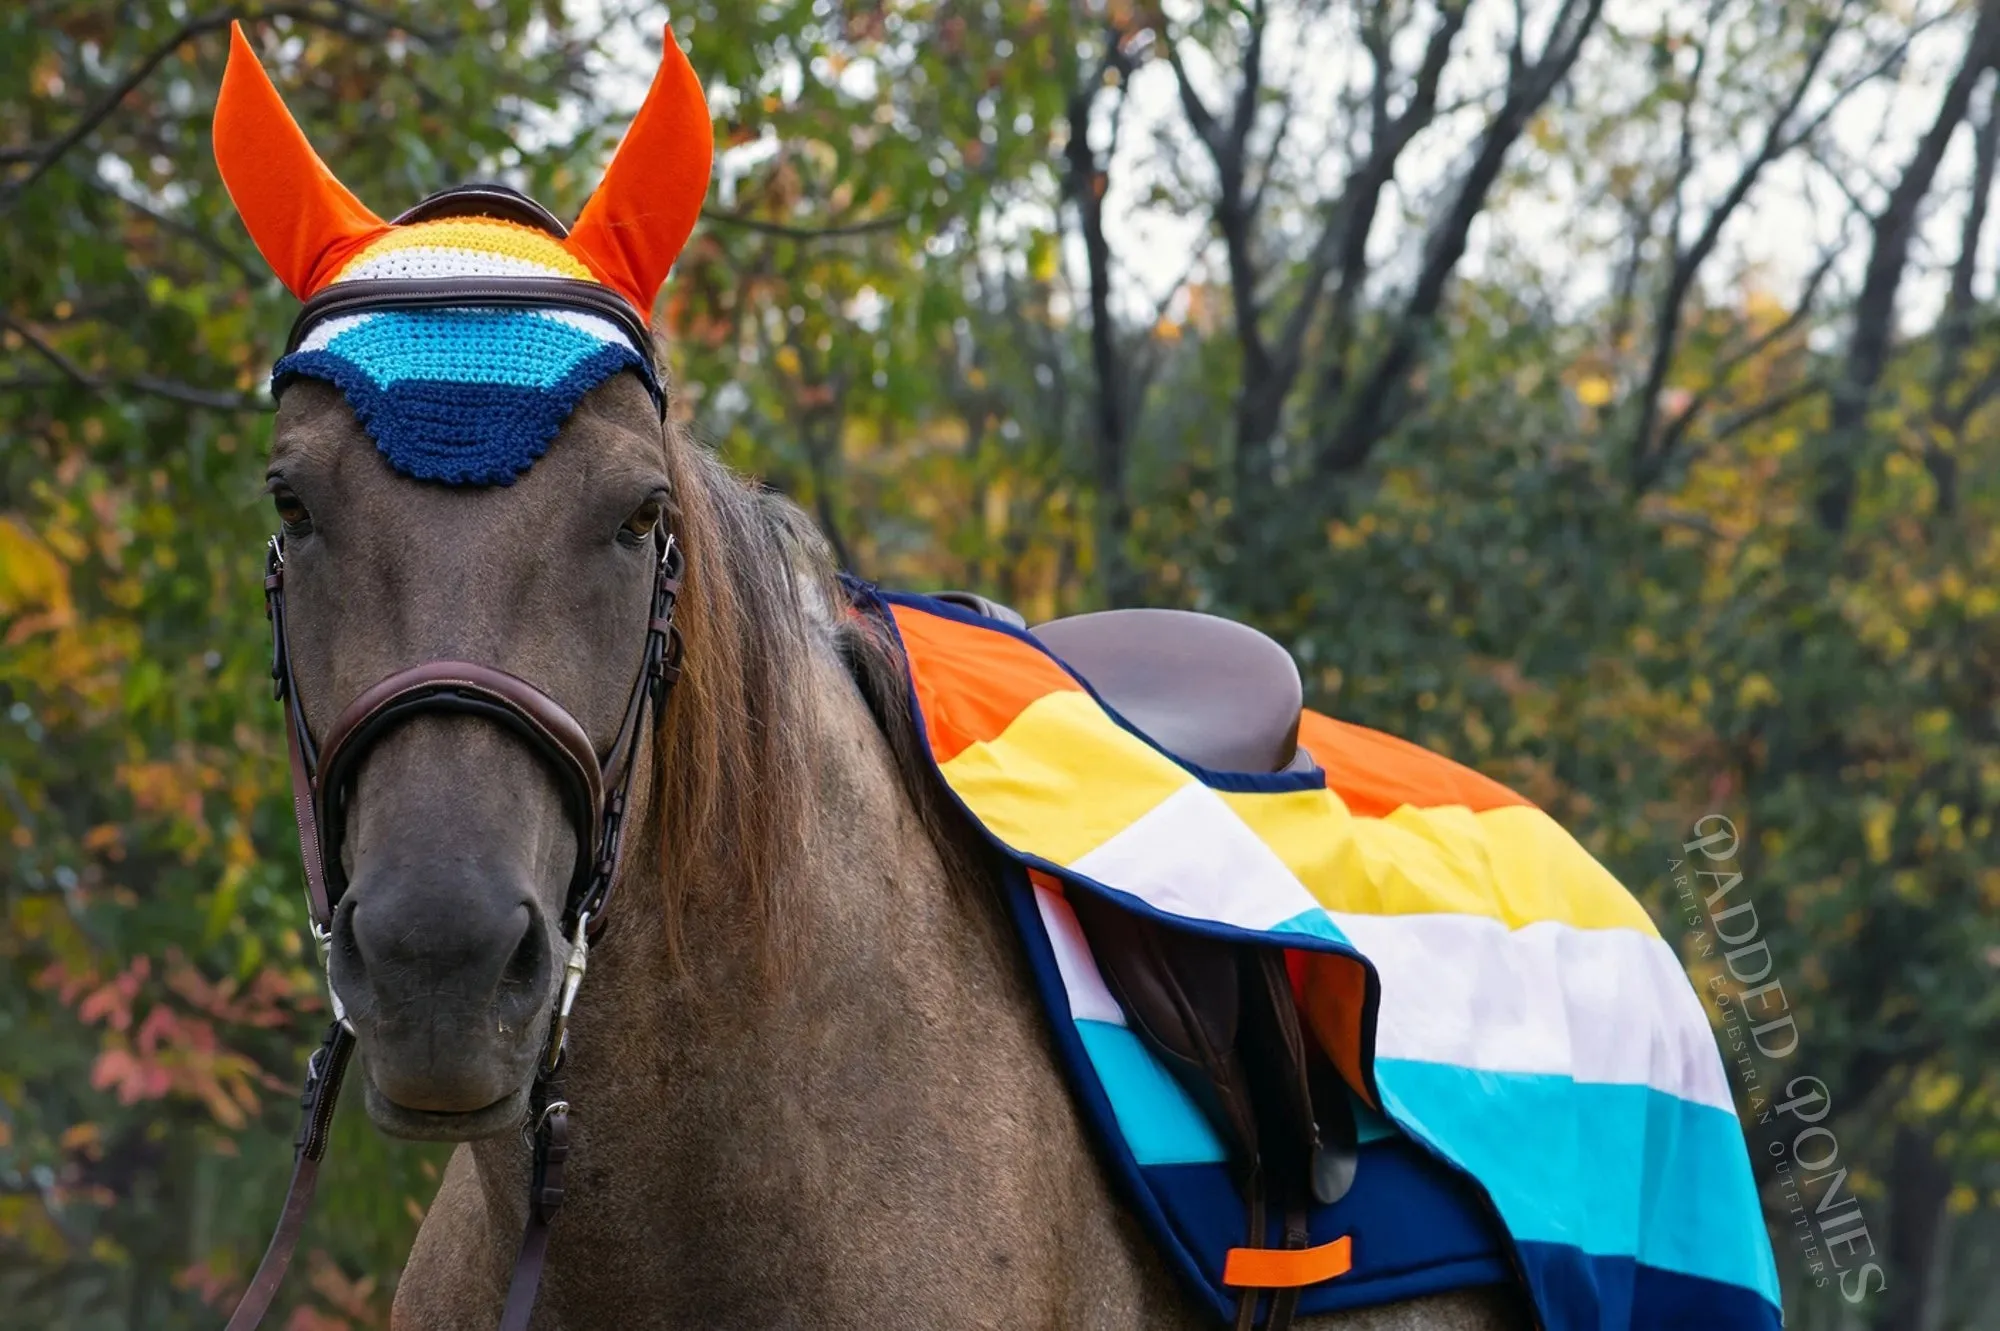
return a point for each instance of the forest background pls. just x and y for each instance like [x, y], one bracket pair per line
[1602, 392]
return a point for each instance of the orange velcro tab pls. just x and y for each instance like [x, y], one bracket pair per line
[1288, 1268]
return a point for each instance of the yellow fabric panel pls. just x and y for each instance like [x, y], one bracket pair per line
[1512, 864]
[487, 237]
[1546, 874]
[1061, 779]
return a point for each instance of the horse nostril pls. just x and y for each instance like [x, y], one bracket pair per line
[524, 968]
[343, 930]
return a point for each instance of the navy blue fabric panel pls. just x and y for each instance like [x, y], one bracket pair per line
[1578, 1292]
[1417, 1228]
[1104, 1132]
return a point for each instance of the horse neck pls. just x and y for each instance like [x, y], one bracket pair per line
[715, 1095]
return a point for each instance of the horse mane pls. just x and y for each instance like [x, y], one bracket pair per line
[736, 754]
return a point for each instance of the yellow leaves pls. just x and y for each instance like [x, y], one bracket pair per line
[1878, 821]
[1594, 390]
[787, 361]
[1755, 690]
[1962, 1200]
[1043, 259]
[34, 583]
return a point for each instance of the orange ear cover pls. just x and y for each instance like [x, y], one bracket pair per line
[635, 224]
[305, 222]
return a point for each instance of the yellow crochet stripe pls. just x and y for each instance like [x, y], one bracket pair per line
[480, 235]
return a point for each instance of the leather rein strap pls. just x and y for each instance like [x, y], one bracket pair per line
[594, 794]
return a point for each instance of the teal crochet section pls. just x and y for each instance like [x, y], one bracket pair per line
[463, 396]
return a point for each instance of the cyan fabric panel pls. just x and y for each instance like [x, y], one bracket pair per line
[1556, 1150]
[1160, 1120]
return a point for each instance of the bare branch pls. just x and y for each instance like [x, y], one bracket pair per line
[46, 156]
[1529, 85]
[143, 383]
[829, 231]
[1875, 308]
[1687, 263]
[1085, 181]
[1955, 327]
[1657, 459]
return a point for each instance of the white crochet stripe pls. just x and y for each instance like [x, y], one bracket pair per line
[602, 329]
[427, 261]
[326, 330]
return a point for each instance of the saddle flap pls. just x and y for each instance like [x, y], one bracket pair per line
[1182, 993]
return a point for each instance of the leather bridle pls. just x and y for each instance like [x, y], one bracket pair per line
[595, 790]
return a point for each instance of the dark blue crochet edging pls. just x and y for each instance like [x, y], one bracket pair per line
[458, 433]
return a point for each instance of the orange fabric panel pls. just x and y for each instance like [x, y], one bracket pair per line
[972, 682]
[1288, 1268]
[1333, 995]
[306, 224]
[634, 226]
[1375, 774]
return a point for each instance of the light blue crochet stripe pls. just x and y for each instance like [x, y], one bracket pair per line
[512, 348]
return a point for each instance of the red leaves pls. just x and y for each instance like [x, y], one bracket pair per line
[177, 1049]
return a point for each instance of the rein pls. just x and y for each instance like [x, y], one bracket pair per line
[595, 792]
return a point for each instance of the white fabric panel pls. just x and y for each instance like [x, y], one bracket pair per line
[1597, 1005]
[1089, 998]
[1190, 855]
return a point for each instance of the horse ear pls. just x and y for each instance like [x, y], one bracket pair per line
[633, 228]
[304, 221]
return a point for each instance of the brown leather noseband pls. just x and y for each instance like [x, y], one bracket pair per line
[594, 790]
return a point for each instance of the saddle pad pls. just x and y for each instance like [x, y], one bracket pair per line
[1472, 971]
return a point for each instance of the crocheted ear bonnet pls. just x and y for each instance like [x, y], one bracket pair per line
[464, 332]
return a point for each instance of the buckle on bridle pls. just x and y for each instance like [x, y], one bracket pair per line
[573, 969]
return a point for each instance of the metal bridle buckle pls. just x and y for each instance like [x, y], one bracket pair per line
[323, 940]
[579, 960]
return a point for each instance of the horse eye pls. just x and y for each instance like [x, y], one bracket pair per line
[291, 511]
[643, 520]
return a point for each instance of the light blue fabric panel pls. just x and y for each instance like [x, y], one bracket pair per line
[1623, 1171]
[1315, 923]
[1161, 1123]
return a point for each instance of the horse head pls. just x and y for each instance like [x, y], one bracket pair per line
[475, 494]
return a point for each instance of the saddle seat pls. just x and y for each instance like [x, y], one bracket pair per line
[1221, 1015]
[1218, 693]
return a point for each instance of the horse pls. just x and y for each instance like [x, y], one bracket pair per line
[809, 1083]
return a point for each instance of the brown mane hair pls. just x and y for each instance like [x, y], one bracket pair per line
[735, 755]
